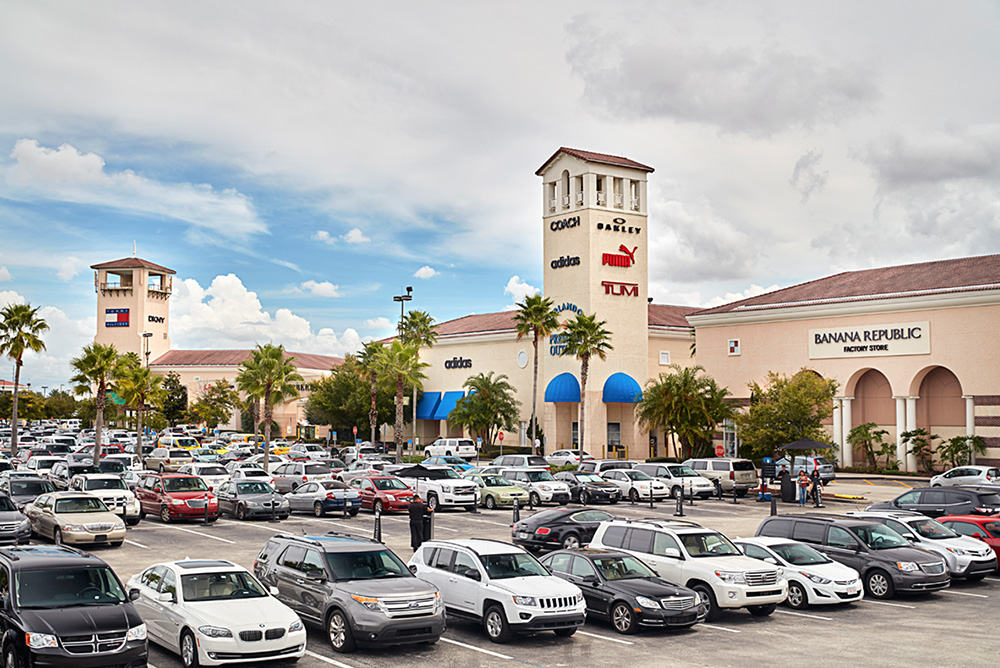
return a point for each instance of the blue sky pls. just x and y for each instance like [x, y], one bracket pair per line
[298, 164]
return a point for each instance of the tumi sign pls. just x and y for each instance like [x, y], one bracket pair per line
[910, 338]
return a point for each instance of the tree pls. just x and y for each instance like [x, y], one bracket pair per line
[400, 361]
[248, 382]
[959, 449]
[140, 389]
[369, 361]
[176, 402]
[585, 338]
[215, 405]
[96, 368]
[343, 399]
[687, 405]
[535, 316]
[871, 440]
[784, 410]
[489, 407]
[271, 376]
[60, 404]
[920, 444]
[417, 328]
[20, 331]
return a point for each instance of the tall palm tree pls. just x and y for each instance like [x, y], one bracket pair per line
[417, 327]
[489, 407]
[274, 376]
[586, 338]
[401, 360]
[140, 389]
[247, 382]
[96, 368]
[21, 330]
[369, 359]
[535, 316]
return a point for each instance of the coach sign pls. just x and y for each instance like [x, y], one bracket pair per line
[910, 338]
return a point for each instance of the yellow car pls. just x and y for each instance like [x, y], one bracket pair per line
[74, 517]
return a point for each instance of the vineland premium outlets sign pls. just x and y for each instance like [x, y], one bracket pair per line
[910, 338]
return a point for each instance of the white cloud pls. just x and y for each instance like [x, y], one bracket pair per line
[425, 272]
[380, 322]
[519, 290]
[324, 289]
[8, 297]
[324, 236]
[5, 274]
[355, 236]
[69, 267]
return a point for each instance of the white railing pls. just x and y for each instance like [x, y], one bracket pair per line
[552, 204]
[565, 201]
[579, 198]
[619, 200]
[602, 198]
[635, 203]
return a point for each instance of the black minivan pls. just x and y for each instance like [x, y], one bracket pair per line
[885, 560]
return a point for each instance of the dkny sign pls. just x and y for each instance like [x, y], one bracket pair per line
[458, 363]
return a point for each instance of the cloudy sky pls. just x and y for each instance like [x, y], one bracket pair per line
[298, 164]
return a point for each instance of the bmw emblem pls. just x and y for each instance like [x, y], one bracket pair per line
[261, 625]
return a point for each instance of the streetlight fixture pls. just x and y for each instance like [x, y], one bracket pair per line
[402, 299]
[145, 338]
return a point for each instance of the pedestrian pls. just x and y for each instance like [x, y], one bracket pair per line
[418, 511]
[803, 482]
[817, 487]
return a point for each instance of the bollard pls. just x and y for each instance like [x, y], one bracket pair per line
[690, 493]
[206, 507]
[345, 504]
[818, 496]
[274, 512]
[736, 501]
[718, 488]
[429, 526]
[517, 512]
[378, 526]
[680, 506]
[651, 507]
[531, 504]
[774, 505]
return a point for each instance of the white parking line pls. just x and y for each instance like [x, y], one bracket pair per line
[964, 593]
[259, 526]
[478, 649]
[198, 533]
[719, 628]
[895, 605]
[132, 542]
[594, 635]
[323, 658]
[993, 579]
[802, 614]
[476, 519]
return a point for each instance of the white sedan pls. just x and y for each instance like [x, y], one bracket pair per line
[636, 485]
[252, 473]
[566, 457]
[213, 612]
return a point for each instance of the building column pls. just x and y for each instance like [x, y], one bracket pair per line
[911, 425]
[970, 418]
[900, 428]
[848, 452]
[838, 432]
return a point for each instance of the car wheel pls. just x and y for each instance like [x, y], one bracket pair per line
[378, 507]
[623, 618]
[162, 470]
[878, 584]
[797, 597]
[338, 630]
[189, 650]
[633, 495]
[565, 633]
[353, 512]
[496, 626]
[165, 515]
[676, 492]
[10, 658]
[132, 521]
[584, 497]
[427, 454]
[318, 509]
[762, 610]
[241, 512]
[741, 493]
[491, 503]
[713, 607]
[447, 454]
[571, 541]
[142, 514]
[432, 502]
[535, 499]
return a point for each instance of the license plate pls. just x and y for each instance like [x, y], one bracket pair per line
[852, 590]
[100, 537]
[522, 535]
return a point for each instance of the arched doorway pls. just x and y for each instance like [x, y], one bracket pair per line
[940, 406]
[873, 402]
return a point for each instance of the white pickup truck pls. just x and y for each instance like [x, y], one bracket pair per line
[438, 486]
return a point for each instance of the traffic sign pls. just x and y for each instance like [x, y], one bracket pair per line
[766, 460]
[501, 437]
[719, 451]
[355, 431]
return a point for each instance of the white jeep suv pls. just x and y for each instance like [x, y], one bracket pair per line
[501, 586]
[702, 559]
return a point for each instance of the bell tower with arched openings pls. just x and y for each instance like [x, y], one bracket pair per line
[133, 306]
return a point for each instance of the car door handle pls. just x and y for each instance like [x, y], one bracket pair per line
[452, 579]
[300, 581]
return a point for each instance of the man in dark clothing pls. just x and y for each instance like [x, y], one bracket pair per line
[817, 487]
[418, 510]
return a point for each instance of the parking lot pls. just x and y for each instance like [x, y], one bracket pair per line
[957, 626]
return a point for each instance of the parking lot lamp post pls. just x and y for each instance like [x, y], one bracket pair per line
[145, 339]
[402, 299]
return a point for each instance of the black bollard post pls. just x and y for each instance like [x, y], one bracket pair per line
[274, 512]
[818, 496]
[378, 526]
[774, 505]
[517, 513]
[345, 504]
[718, 488]
[680, 505]
[531, 503]
[651, 507]
[736, 501]
[206, 507]
[690, 493]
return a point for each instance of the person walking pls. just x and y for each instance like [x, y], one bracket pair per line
[418, 511]
[817, 487]
[803, 482]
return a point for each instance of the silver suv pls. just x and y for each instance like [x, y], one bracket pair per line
[733, 473]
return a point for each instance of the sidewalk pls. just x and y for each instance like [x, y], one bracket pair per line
[913, 481]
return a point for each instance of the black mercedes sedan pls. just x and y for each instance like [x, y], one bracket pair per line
[558, 528]
[587, 487]
[622, 589]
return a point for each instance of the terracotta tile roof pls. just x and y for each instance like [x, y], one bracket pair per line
[664, 315]
[660, 315]
[234, 357]
[943, 276]
[601, 158]
[132, 263]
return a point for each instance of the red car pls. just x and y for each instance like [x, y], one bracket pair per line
[175, 496]
[384, 492]
[984, 527]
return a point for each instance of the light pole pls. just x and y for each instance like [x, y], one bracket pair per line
[402, 299]
[145, 340]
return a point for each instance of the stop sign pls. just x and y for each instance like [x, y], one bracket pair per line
[719, 451]
[355, 431]
[501, 437]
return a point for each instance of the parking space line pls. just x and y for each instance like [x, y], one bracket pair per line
[205, 535]
[258, 526]
[594, 635]
[993, 579]
[719, 628]
[478, 649]
[323, 658]
[895, 605]
[963, 593]
[476, 519]
[132, 542]
[802, 614]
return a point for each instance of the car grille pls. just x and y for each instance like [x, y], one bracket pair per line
[408, 607]
[844, 583]
[677, 602]
[982, 553]
[255, 635]
[94, 644]
[933, 569]
[557, 602]
[760, 578]
[196, 503]
[8, 526]
[98, 527]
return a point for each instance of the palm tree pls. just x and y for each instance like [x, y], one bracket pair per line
[272, 376]
[20, 331]
[369, 360]
[247, 382]
[96, 368]
[585, 338]
[140, 389]
[489, 407]
[417, 327]
[400, 360]
[535, 316]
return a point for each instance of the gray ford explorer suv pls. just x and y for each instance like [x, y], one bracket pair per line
[355, 588]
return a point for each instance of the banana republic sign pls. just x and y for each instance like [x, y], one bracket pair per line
[911, 338]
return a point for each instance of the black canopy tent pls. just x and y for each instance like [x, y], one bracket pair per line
[421, 471]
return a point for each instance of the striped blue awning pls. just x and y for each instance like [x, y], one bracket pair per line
[447, 405]
[428, 402]
[621, 388]
[563, 388]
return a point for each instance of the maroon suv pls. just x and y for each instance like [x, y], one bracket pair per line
[382, 492]
[175, 496]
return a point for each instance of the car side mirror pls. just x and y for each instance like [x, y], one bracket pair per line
[591, 579]
[978, 535]
[771, 560]
[672, 552]
[316, 576]
[413, 568]
[473, 574]
[166, 597]
[133, 594]
[856, 547]
[910, 537]
[273, 591]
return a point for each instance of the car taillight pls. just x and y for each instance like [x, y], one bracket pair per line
[329, 495]
[541, 531]
[305, 479]
[732, 475]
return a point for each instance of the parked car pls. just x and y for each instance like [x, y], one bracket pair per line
[355, 589]
[113, 491]
[168, 459]
[500, 586]
[176, 496]
[353, 453]
[813, 578]
[521, 461]
[679, 479]
[886, 561]
[252, 473]
[447, 447]
[113, 466]
[213, 474]
[290, 475]
[60, 591]
[41, 465]
[967, 475]
[308, 450]
[62, 472]
[23, 491]
[324, 496]
[558, 528]
[734, 474]
[245, 500]
[273, 460]
[566, 458]
[14, 526]
[622, 589]
[495, 490]
[203, 454]
[361, 467]
[76, 518]
[827, 471]
[440, 486]
[540, 485]
[636, 485]
[382, 492]
[199, 610]
[982, 527]
[940, 501]
[455, 462]
[589, 488]
[132, 462]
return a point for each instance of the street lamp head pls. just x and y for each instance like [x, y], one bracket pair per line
[146, 335]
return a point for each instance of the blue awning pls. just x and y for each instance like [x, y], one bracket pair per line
[564, 388]
[447, 405]
[428, 402]
[621, 388]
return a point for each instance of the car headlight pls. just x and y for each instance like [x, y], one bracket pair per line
[390, 497]
[815, 578]
[957, 550]
[295, 626]
[647, 602]
[367, 601]
[907, 566]
[136, 633]
[215, 632]
[25, 524]
[525, 600]
[118, 526]
[73, 527]
[41, 640]
[446, 489]
[176, 502]
[545, 488]
[732, 577]
[579, 598]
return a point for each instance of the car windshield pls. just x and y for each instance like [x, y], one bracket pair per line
[366, 565]
[931, 529]
[80, 504]
[186, 442]
[67, 588]
[337, 464]
[333, 484]
[254, 473]
[623, 568]
[453, 460]
[187, 484]
[495, 481]
[179, 454]
[589, 477]
[105, 483]
[212, 470]
[389, 483]
[636, 475]
[111, 466]
[512, 565]
[450, 473]
[799, 555]
[87, 468]
[680, 470]
[708, 545]
[32, 487]
[218, 586]
[6, 505]
[879, 537]
[993, 528]
[254, 488]
[539, 476]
